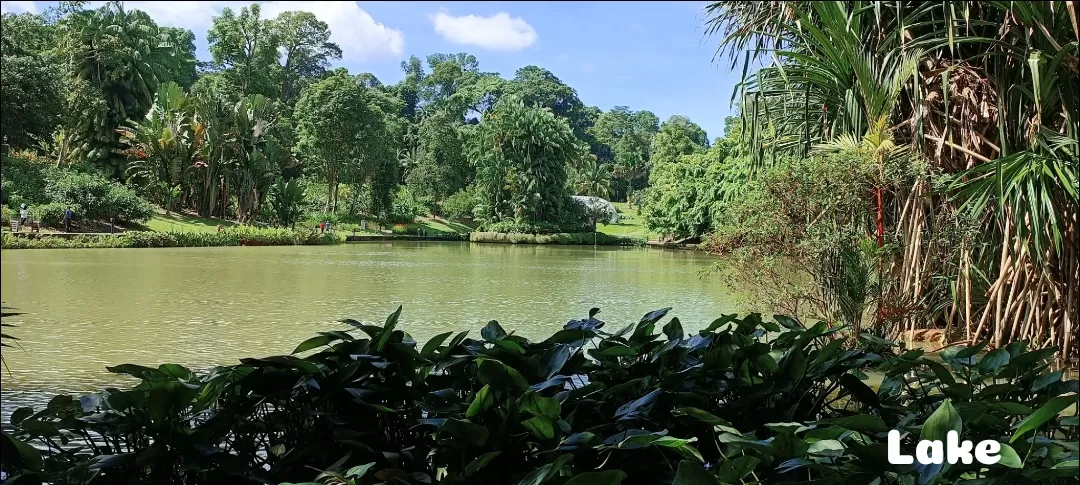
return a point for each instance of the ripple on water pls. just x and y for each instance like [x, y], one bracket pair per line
[88, 309]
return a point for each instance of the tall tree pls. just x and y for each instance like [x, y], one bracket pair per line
[627, 137]
[117, 59]
[678, 136]
[31, 101]
[409, 88]
[537, 86]
[342, 131]
[522, 154]
[441, 167]
[306, 50]
[245, 48]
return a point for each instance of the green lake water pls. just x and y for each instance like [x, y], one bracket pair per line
[89, 308]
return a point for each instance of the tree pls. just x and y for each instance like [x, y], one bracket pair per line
[160, 146]
[306, 51]
[521, 155]
[536, 86]
[31, 102]
[409, 88]
[997, 120]
[245, 48]
[628, 137]
[441, 167]
[593, 179]
[343, 132]
[117, 59]
[678, 136]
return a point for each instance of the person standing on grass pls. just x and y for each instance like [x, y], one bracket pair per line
[24, 216]
[68, 215]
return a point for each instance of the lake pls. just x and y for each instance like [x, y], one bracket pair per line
[89, 308]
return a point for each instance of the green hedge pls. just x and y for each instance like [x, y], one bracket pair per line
[588, 238]
[232, 236]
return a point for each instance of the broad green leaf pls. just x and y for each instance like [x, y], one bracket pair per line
[359, 470]
[943, 420]
[703, 416]
[609, 477]
[732, 471]
[492, 331]
[993, 361]
[480, 462]
[1044, 414]
[432, 345]
[673, 330]
[473, 434]
[552, 361]
[1009, 457]
[313, 342]
[540, 426]
[539, 405]
[388, 329]
[690, 473]
[480, 403]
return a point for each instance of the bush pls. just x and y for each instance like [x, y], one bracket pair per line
[52, 214]
[231, 236]
[99, 198]
[744, 400]
[405, 208]
[534, 228]
[459, 206]
[23, 176]
[588, 238]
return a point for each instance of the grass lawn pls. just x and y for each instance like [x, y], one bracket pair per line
[629, 223]
[443, 226]
[180, 222]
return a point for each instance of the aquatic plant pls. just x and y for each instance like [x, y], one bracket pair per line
[745, 400]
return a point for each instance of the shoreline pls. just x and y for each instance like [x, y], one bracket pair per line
[248, 236]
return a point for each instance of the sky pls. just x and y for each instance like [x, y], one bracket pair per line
[645, 55]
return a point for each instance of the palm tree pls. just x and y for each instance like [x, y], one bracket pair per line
[594, 179]
[118, 58]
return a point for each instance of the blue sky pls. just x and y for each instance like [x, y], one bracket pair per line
[645, 55]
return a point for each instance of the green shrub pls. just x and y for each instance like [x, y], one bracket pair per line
[746, 400]
[459, 206]
[231, 236]
[99, 198]
[405, 208]
[51, 214]
[23, 174]
[588, 238]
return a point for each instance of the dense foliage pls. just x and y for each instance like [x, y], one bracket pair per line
[522, 155]
[744, 400]
[959, 123]
[230, 236]
[213, 137]
[48, 191]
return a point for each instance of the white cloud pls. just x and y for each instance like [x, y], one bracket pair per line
[497, 32]
[18, 7]
[358, 34]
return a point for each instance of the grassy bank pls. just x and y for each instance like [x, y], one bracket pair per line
[232, 236]
[180, 222]
[587, 238]
[629, 225]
